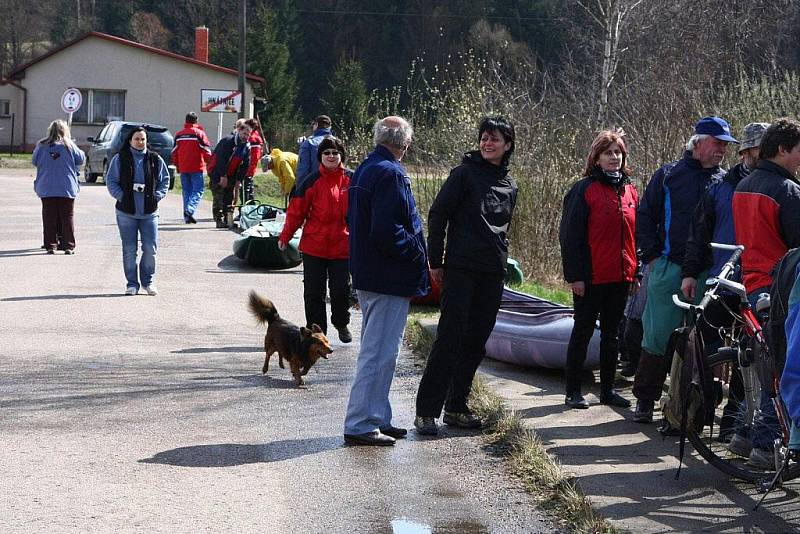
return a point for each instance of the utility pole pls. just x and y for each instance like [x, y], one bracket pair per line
[242, 55]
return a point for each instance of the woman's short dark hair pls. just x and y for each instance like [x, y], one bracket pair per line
[501, 126]
[131, 133]
[331, 142]
[784, 132]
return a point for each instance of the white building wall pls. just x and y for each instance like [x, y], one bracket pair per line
[159, 89]
[15, 96]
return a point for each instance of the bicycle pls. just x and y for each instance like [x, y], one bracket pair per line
[741, 369]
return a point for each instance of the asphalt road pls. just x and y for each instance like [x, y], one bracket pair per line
[150, 413]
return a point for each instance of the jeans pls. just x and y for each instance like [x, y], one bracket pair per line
[192, 185]
[316, 273]
[470, 301]
[130, 229]
[608, 302]
[382, 325]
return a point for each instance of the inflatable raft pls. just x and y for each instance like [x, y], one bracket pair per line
[258, 246]
[534, 332]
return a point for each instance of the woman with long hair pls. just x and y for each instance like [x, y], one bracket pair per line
[319, 205]
[58, 161]
[598, 251]
[138, 179]
[473, 210]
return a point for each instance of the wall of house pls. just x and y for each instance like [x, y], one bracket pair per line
[159, 89]
[15, 96]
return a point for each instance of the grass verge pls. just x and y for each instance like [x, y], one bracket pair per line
[544, 478]
[16, 161]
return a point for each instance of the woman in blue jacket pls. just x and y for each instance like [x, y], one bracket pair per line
[138, 179]
[57, 162]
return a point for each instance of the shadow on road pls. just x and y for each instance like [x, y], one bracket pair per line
[207, 350]
[232, 454]
[64, 297]
[22, 252]
[232, 264]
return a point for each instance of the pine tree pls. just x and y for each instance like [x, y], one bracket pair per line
[348, 98]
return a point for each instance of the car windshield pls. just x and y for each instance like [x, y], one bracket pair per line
[156, 136]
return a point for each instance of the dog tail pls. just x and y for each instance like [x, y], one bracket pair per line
[262, 308]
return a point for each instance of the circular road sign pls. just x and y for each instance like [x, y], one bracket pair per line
[71, 100]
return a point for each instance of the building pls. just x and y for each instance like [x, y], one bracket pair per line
[118, 79]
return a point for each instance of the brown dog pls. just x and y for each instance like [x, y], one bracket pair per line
[300, 346]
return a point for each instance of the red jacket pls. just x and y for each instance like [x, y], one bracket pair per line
[192, 149]
[320, 206]
[597, 233]
[255, 152]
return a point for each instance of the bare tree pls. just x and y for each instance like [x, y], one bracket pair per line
[147, 29]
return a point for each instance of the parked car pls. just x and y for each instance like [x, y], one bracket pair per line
[108, 142]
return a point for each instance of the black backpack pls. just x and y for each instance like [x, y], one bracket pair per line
[782, 283]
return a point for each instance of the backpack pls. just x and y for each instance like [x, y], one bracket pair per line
[689, 401]
[782, 283]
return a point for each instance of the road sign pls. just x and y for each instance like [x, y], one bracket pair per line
[220, 101]
[71, 100]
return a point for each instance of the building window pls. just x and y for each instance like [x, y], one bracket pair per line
[5, 108]
[100, 106]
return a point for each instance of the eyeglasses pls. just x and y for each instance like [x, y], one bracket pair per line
[330, 153]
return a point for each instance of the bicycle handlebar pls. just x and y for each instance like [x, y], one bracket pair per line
[727, 269]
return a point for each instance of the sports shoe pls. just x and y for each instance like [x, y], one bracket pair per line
[69, 251]
[344, 334]
[761, 459]
[151, 290]
[644, 411]
[131, 290]
[426, 426]
[740, 446]
[461, 420]
[576, 401]
[612, 398]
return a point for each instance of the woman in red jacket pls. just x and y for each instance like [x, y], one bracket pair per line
[598, 252]
[319, 204]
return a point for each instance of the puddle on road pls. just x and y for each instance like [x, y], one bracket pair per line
[404, 526]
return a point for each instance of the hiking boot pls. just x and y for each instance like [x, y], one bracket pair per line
[761, 459]
[344, 334]
[612, 398]
[644, 411]
[740, 446]
[576, 401]
[461, 420]
[426, 426]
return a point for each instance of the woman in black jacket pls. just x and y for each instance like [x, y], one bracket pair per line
[473, 208]
[598, 251]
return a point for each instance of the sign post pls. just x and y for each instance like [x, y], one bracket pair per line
[71, 102]
[220, 101]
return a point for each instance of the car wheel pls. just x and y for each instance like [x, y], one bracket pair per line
[88, 175]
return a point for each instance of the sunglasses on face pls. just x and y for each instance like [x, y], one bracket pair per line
[330, 153]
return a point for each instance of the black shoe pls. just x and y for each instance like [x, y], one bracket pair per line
[644, 411]
[628, 370]
[51, 251]
[393, 431]
[426, 426]
[613, 398]
[221, 223]
[344, 334]
[188, 218]
[461, 420]
[370, 438]
[576, 401]
[667, 429]
[69, 251]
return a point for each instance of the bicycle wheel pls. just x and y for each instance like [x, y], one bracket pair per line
[738, 391]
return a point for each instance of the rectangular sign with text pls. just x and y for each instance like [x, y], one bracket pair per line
[220, 101]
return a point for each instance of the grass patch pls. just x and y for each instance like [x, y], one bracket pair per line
[16, 161]
[266, 189]
[558, 295]
[526, 457]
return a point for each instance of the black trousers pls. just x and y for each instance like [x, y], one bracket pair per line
[317, 272]
[608, 302]
[58, 223]
[469, 305]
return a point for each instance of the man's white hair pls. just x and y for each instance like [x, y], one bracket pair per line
[694, 140]
[394, 131]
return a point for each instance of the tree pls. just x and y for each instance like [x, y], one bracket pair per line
[348, 98]
[147, 29]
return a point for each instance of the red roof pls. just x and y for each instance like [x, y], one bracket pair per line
[19, 70]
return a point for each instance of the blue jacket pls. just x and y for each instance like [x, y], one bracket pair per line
[665, 211]
[387, 244]
[790, 380]
[713, 223]
[57, 170]
[307, 154]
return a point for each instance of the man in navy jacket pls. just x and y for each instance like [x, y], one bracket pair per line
[389, 266]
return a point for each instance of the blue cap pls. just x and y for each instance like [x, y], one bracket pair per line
[715, 127]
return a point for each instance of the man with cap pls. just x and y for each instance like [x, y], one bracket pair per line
[766, 215]
[662, 228]
[307, 154]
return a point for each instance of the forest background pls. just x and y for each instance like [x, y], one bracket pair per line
[560, 70]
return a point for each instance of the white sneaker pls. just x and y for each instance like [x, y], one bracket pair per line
[131, 290]
[152, 290]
